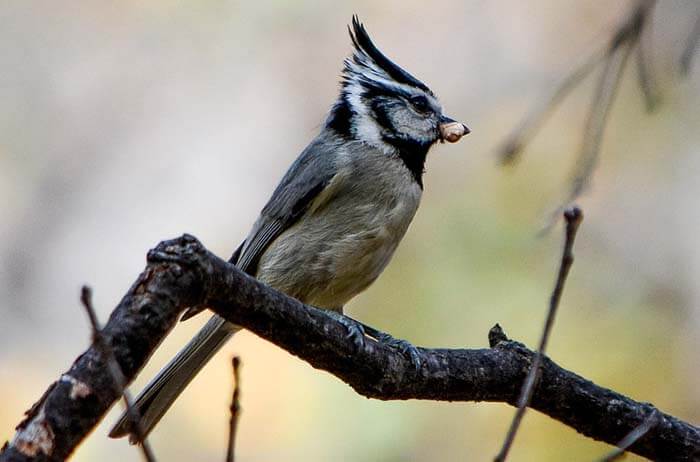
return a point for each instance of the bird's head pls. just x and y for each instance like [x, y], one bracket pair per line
[383, 105]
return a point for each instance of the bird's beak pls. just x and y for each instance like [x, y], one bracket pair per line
[451, 130]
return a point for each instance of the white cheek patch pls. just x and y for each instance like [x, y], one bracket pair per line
[364, 128]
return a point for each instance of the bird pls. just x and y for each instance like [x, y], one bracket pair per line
[337, 216]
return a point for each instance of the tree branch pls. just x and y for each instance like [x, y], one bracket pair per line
[182, 273]
[116, 373]
[690, 47]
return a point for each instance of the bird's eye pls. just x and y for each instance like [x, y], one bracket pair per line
[420, 103]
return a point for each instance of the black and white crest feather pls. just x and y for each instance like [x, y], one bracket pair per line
[374, 63]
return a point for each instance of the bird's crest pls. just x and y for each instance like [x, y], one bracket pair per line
[370, 66]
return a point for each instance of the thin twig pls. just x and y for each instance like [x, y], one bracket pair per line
[573, 217]
[235, 411]
[597, 119]
[628, 32]
[595, 127]
[646, 76]
[116, 373]
[528, 128]
[690, 47]
[633, 436]
[620, 49]
[615, 55]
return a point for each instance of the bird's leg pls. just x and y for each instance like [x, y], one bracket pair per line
[356, 330]
[403, 346]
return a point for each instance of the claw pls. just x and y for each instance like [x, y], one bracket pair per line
[403, 346]
[356, 331]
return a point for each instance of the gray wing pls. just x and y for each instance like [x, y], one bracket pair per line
[307, 177]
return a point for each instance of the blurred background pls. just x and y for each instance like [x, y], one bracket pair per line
[125, 123]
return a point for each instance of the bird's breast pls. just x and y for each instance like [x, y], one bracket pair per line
[343, 243]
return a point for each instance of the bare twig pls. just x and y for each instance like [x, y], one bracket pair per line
[618, 51]
[510, 151]
[620, 48]
[646, 76]
[597, 118]
[633, 436]
[624, 36]
[690, 47]
[573, 218]
[235, 411]
[614, 55]
[115, 371]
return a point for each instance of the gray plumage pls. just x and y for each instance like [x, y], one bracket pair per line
[350, 229]
[338, 214]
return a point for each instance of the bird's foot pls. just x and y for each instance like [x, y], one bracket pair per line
[404, 346]
[356, 330]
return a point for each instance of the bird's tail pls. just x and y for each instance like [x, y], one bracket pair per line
[154, 401]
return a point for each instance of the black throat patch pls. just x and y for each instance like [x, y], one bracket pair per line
[412, 154]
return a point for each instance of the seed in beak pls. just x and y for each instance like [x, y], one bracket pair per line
[453, 131]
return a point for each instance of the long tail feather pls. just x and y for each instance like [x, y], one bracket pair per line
[157, 397]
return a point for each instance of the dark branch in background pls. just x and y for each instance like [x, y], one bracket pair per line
[573, 219]
[235, 411]
[116, 373]
[645, 74]
[181, 273]
[597, 118]
[691, 47]
[512, 148]
[615, 57]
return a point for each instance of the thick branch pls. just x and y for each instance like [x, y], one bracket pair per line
[182, 273]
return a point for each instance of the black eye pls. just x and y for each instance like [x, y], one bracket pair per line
[420, 103]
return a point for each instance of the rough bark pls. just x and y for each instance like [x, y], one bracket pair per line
[181, 273]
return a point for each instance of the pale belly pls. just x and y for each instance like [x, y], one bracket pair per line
[336, 252]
